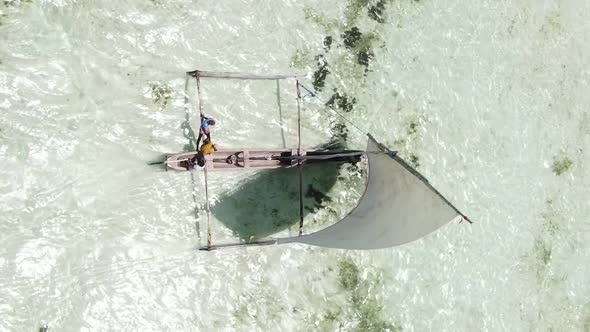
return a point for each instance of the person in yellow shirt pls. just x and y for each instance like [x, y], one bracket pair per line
[208, 147]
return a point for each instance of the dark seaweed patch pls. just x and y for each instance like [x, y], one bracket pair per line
[414, 161]
[364, 58]
[369, 314]
[354, 40]
[339, 136]
[341, 101]
[301, 59]
[351, 37]
[561, 165]
[367, 311]
[320, 75]
[412, 128]
[161, 94]
[327, 43]
[348, 274]
[331, 316]
[376, 11]
[543, 251]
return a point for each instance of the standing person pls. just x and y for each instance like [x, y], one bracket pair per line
[204, 129]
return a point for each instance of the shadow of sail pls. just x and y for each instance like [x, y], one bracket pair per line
[268, 202]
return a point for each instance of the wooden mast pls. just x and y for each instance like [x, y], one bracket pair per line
[299, 164]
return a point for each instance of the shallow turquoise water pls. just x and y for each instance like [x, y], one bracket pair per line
[486, 98]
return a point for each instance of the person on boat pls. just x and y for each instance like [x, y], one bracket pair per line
[204, 129]
[208, 147]
[197, 161]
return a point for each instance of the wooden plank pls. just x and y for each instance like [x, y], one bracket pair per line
[242, 76]
[208, 211]
[246, 154]
[299, 162]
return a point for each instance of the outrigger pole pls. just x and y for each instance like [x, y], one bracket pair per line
[240, 76]
[197, 76]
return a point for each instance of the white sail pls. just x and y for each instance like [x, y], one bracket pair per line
[398, 206]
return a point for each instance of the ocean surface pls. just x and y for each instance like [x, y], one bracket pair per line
[488, 99]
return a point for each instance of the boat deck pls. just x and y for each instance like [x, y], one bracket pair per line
[236, 159]
[227, 160]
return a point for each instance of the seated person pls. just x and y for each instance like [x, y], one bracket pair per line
[208, 147]
[197, 161]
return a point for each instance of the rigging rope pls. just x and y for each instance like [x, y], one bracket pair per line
[314, 94]
[390, 153]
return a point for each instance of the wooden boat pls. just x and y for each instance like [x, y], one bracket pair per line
[232, 160]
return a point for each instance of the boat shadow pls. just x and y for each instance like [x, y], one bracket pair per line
[268, 202]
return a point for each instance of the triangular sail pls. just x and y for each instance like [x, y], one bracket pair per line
[398, 206]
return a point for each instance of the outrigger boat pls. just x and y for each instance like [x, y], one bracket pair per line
[398, 206]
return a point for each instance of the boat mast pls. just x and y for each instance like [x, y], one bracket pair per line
[299, 166]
